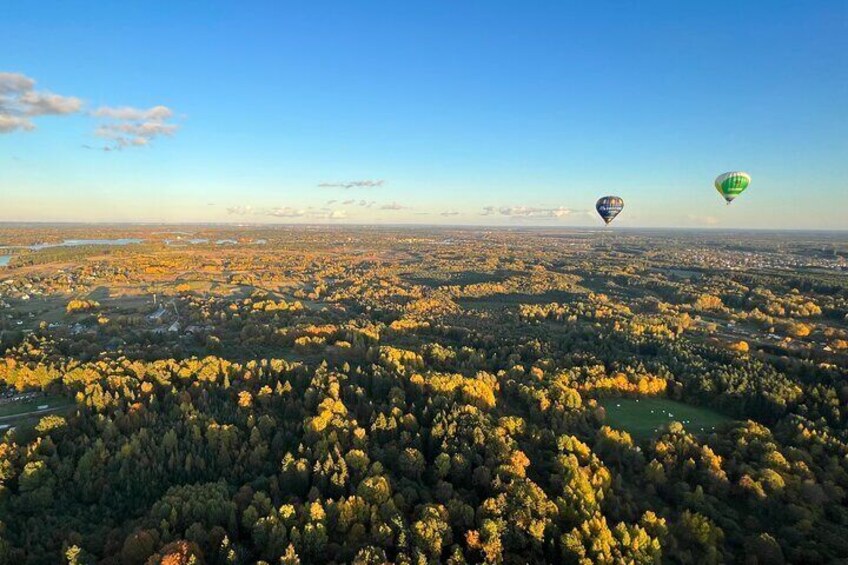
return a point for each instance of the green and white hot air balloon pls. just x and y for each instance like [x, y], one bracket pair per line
[730, 185]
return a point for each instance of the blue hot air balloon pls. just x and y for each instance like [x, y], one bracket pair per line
[609, 207]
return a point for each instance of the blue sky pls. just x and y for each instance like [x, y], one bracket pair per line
[509, 113]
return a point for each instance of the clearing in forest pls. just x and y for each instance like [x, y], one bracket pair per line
[645, 417]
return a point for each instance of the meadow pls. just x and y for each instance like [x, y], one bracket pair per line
[644, 418]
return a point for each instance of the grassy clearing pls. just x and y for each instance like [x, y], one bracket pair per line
[9, 411]
[502, 301]
[646, 417]
[437, 279]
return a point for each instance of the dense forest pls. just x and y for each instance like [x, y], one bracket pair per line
[413, 396]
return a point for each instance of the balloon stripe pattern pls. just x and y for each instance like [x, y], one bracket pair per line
[730, 185]
[609, 207]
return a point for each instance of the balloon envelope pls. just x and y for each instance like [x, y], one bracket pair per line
[609, 207]
[732, 184]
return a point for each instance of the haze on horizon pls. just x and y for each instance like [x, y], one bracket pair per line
[479, 113]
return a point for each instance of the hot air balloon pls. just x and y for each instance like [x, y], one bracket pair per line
[730, 185]
[609, 207]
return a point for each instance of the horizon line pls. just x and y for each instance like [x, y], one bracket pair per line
[409, 225]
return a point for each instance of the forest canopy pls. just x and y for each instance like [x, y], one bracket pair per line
[422, 396]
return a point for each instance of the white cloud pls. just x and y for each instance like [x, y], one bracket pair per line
[330, 215]
[19, 102]
[123, 126]
[134, 127]
[309, 212]
[49, 104]
[287, 212]
[13, 83]
[129, 114]
[12, 123]
[392, 206]
[450, 213]
[529, 212]
[240, 210]
[348, 202]
[703, 220]
[353, 184]
[292, 212]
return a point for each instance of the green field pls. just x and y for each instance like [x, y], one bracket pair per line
[645, 417]
[10, 412]
[501, 301]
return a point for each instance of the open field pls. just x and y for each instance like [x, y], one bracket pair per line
[11, 411]
[645, 417]
[438, 279]
[500, 301]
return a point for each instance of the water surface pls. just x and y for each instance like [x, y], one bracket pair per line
[79, 242]
[5, 259]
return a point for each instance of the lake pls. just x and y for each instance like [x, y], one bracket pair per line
[4, 259]
[79, 242]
